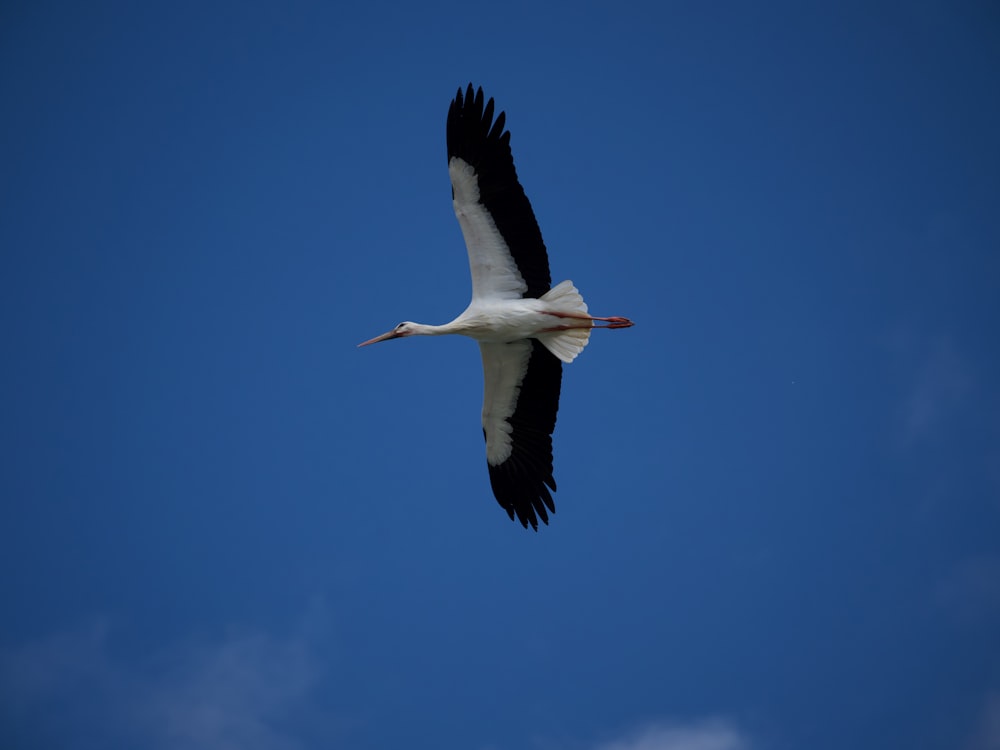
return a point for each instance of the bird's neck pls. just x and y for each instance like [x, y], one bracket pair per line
[458, 325]
[422, 329]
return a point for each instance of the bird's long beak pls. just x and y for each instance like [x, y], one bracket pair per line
[384, 337]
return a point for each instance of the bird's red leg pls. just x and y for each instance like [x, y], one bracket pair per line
[613, 322]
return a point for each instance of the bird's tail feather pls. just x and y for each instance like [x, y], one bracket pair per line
[566, 345]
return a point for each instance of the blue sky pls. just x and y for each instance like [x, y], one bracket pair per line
[778, 517]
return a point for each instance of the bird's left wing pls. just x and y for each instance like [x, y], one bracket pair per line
[520, 402]
[507, 256]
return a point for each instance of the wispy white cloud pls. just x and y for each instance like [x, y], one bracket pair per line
[48, 667]
[247, 690]
[987, 734]
[715, 734]
[64, 687]
[233, 694]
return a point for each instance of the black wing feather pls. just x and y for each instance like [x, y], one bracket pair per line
[478, 140]
[521, 484]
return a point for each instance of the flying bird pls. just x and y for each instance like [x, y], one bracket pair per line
[526, 328]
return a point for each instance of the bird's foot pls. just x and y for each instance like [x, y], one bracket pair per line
[616, 321]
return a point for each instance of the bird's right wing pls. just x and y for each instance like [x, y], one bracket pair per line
[507, 256]
[520, 402]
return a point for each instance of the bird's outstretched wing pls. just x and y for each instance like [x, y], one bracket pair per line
[520, 402]
[506, 253]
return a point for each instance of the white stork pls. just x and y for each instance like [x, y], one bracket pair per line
[525, 329]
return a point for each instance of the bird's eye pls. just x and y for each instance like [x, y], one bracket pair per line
[400, 326]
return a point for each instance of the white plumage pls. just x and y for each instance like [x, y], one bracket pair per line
[525, 329]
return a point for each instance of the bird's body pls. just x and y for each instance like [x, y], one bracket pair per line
[525, 329]
[501, 321]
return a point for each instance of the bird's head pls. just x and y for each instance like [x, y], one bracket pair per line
[406, 328]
